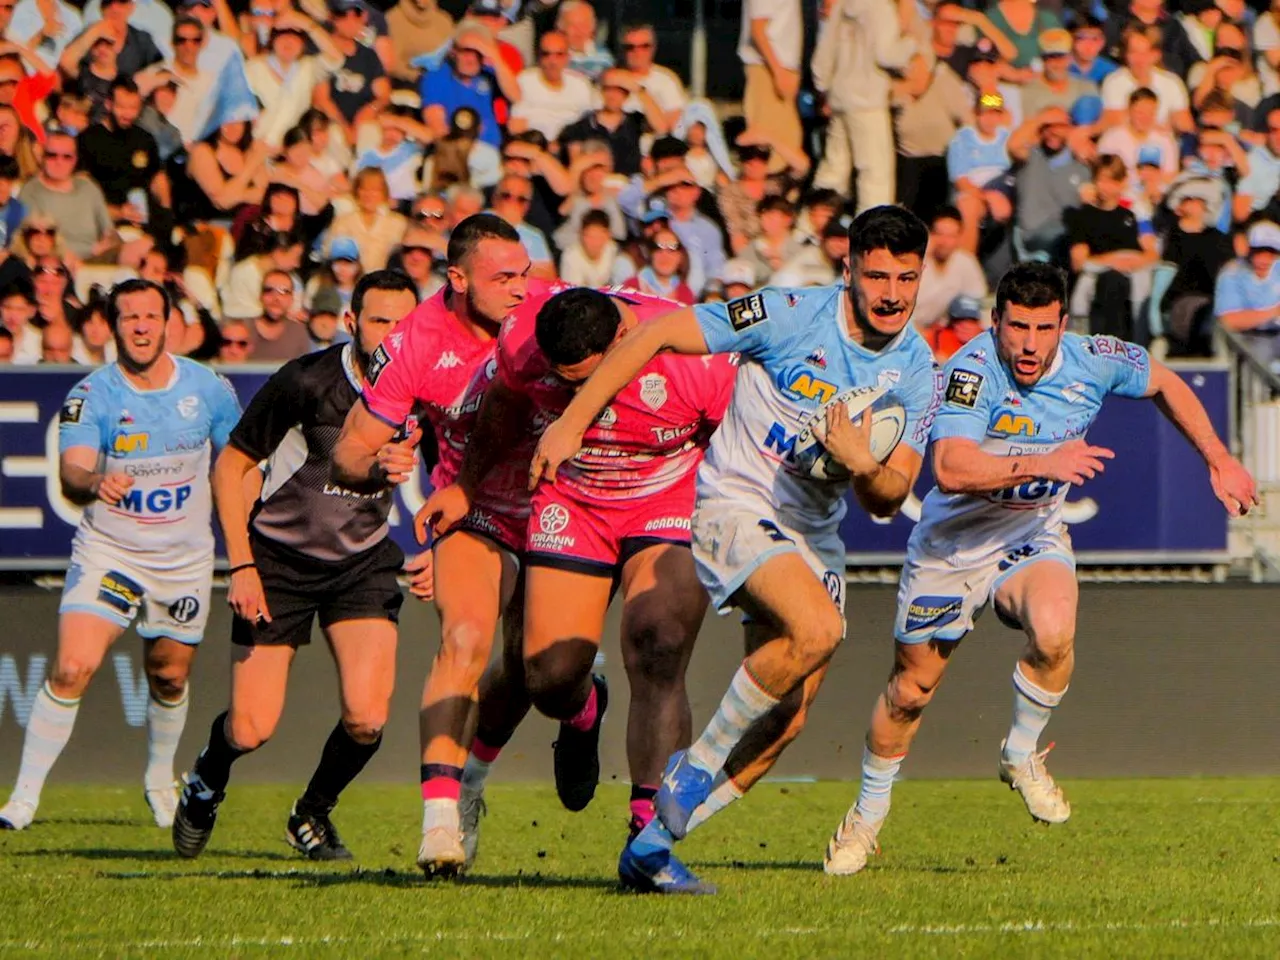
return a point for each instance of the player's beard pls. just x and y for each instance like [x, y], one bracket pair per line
[127, 360]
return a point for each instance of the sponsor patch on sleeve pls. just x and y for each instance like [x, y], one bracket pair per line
[747, 312]
[963, 387]
[379, 360]
[71, 410]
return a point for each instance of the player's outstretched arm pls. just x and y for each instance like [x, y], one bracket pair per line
[961, 466]
[1232, 483]
[362, 448]
[678, 332]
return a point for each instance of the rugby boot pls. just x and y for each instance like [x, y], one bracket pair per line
[163, 802]
[684, 788]
[441, 853]
[851, 845]
[471, 807]
[313, 835]
[577, 756]
[1042, 796]
[652, 868]
[16, 815]
[196, 814]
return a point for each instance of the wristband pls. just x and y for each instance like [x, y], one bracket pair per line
[242, 566]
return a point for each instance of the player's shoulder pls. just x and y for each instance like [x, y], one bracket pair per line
[978, 355]
[913, 349]
[199, 375]
[784, 307]
[1089, 350]
[104, 379]
[973, 370]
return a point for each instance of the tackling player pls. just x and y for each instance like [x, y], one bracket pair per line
[616, 516]
[307, 547]
[442, 356]
[765, 534]
[1007, 445]
[133, 440]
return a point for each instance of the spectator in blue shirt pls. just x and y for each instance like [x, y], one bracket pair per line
[1087, 42]
[1255, 191]
[11, 209]
[701, 237]
[472, 75]
[978, 165]
[1247, 295]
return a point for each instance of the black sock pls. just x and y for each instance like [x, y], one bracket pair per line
[641, 792]
[213, 766]
[340, 762]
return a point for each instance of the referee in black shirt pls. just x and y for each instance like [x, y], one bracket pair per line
[309, 547]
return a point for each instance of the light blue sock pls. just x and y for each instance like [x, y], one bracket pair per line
[878, 774]
[1032, 708]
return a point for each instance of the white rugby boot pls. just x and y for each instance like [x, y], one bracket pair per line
[851, 845]
[441, 853]
[471, 807]
[163, 802]
[1042, 796]
[16, 815]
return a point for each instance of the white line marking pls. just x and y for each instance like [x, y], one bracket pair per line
[1068, 926]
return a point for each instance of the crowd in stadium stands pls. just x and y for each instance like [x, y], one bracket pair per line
[259, 161]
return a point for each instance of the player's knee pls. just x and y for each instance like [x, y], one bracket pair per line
[551, 677]
[907, 696]
[366, 726]
[465, 647]
[71, 675]
[168, 683]
[656, 651]
[1052, 639]
[815, 642]
[248, 732]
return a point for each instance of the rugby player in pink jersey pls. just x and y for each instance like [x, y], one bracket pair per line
[442, 356]
[618, 515]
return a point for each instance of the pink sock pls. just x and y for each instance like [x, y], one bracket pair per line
[642, 811]
[441, 781]
[586, 717]
[483, 752]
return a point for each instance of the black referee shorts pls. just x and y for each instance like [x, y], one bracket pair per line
[298, 587]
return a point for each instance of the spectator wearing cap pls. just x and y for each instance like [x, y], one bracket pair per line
[817, 264]
[399, 152]
[21, 90]
[416, 27]
[123, 159]
[241, 295]
[339, 274]
[634, 252]
[1048, 178]
[1257, 191]
[285, 77]
[1055, 87]
[46, 26]
[1246, 298]
[511, 200]
[620, 129]
[1088, 40]
[551, 96]
[135, 49]
[977, 161]
[466, 79]
[17, 310]
[865, 41]
[1200, 251]
[949, 270]
[375, 227]
[770, 45]
[985, 73]
[588, 261]
[1141, 47]
[960, 323]
[324, 314]
[740, 199]
[931, 104]
[576, 19]
[667, 269]
[1111, 255]
[736, 278]
[1230, 72]
[1188, 39]
[1138, 136]
[639, 46]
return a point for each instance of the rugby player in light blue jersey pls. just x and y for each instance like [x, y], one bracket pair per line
[1008, 444]
[134, 440]
[765, 531]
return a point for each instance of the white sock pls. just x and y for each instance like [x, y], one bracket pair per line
[474, 773]
[164, 729]
[439, 812]
[48, 730]
[1032, 708]
[723, 793]
[878, 774]
[744, 703]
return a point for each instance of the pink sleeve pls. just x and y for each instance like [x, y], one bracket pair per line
[391, 385]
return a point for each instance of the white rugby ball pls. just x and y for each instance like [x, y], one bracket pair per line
[888, 423]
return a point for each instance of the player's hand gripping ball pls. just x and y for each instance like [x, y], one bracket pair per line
[888, 423]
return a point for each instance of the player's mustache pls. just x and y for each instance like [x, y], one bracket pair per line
[886, 307]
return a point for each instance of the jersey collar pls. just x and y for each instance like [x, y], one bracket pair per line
[349, 366]
[173, 378]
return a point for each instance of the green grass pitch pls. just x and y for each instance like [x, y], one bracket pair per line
[1150, 868]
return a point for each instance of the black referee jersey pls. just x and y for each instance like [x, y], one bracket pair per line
[293, 423]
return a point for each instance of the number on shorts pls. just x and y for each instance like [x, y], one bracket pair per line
[1024, 552]
[776, 535]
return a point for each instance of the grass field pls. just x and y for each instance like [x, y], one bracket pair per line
[1145, 868]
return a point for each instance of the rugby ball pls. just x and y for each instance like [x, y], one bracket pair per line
[888, 423]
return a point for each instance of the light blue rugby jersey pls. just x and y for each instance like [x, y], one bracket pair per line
[796, 356]
[981, 402]
[162, 439]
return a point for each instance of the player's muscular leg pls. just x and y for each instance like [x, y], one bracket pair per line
[663, 608]
[563, 620]
[471, 574]
[807, 626]
[83, 640]
[917, 671]
[1043, 597]
[259, 676]
[504, 700]
[365, 652]
[168, 665]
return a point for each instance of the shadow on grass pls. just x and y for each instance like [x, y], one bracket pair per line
[305, 876]
[802, 866]
[117, 853]
[93, 821]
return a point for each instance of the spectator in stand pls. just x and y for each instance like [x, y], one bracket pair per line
[977, 164]
[399, 152]
[37, 237]
[242, 294]
[124, 161]
[197, 88]
[592, 192]
[323, 326]
[72, 112]
[1141, 54]
[55, 299]
[1256, 192]
[1139, 15]
[94, 344]
[961, 322]
[1246, 298]
[1022, 22]
[285, 78]
[56, 345]
[6, 347]
[47, 26]
[740, 199]
[589, 260]
[776, 242]
[339, 274]
[358, 90]
[296, 168]
[491, 15]
[620, 130]
[1230, 72]
[1139, 136]
[1266, 42]
[416, 28]
[1188, 39]
[817, 264]
[511, 199]
[237, 343]
[152, 17]
[1200, 251]
[1087, 59]
[679, 193]
[158, 88]
[1048, 179]
[18, 143]
[12, 212]
[639, 44]
[551, 97]
[278, 333]
[461, 157]
[373, 225]
[986, 72]
[464, 201]
[736, 279]
[1055, 87]
[135, 49]
[576, 19]
[470, 77]
[770, 46]
[430, 214]
[17, 310]
[421, 261]
[228, 170]
[93, 78]
[667, 268]
[949, 271]
[22, 90]
[932, 103]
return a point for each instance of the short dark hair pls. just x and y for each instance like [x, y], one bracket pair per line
[1086, 21]
[295, 135]
[123, 83]
[467, 235]
[9, 168]
[775, 202]
[945, 212]
[185, 20]
[1031, 284]
[595, 218]
[822, 197]
[1141, 94]
[665, 148]
[391, 280]
[888, 227]
[576, 324]
[135, 285]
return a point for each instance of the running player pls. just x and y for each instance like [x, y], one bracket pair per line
[309, 546]
[765, 534]
[442, 356]
[133, 440]
[1008, 444]
[617, 515]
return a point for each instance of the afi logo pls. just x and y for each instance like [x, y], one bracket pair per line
[131, 443]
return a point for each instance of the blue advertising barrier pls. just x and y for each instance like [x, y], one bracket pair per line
[1152, 505]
